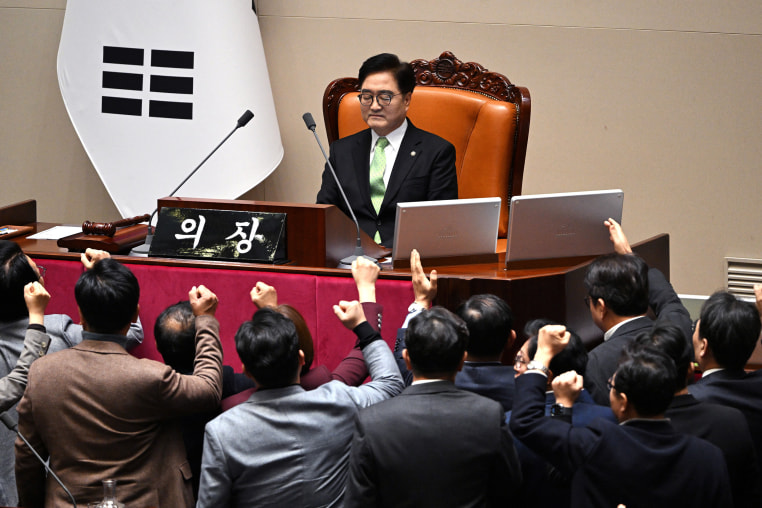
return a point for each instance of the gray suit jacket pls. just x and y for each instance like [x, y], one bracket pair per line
[290, 447]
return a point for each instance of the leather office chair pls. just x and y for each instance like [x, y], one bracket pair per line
[480, 112]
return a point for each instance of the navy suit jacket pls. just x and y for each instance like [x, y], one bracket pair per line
[604, 359]
[424, 170]
[641, 463]
[726, 428]
[738, 389]
[432, 446]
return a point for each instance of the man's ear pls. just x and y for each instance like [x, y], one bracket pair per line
[511, 340]
[302, 361]
[703, 347]
[462, 361]
[82, 320]
[406, 357]
[248, 374]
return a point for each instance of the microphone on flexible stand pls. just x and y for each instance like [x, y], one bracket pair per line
[8, 422]
[142, 250]
[359, 253]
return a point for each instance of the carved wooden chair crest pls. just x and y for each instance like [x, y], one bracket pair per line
[482, 113]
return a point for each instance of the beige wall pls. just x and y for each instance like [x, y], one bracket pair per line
[661, 103]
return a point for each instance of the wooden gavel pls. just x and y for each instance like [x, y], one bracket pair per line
[109, 228]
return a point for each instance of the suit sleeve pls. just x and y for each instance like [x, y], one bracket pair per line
[665, 302]
[386, 381]
[352, 370]
[36, 343]
[215, 483]
[505, 476]
[362, 486]
[443, 181]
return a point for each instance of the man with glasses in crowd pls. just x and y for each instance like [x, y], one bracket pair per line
[391, 162]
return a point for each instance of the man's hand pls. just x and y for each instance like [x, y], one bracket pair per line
[758, 297]
[566, 388]
[36, 298]
[203, 301]
[92, 256]
[349, 313]
[616, 235]
[365, 273]
[551, 340]
[263, 295]
[425, 289]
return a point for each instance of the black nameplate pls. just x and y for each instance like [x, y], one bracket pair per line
[231, 235]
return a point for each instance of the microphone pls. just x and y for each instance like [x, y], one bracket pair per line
[142, 250]
[11, 425]
[359, 253]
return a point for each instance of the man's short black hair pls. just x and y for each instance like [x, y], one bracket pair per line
[107, 295]
[490, 323]
[572, 357]
[269, 348]
[731, 327]
[648, 378]
[670, 340]
[387, 62]
[175, 333]
[621, 280]
[15, 273]
[436, 340]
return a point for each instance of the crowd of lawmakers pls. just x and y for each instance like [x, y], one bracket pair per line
[436, 421]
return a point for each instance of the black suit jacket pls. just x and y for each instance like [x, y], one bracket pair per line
[642, 463]
[738, 389]
[424, 170]
[432, 446]
[726, 428]
[604, 359]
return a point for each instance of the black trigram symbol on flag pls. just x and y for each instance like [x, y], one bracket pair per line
[160, 83]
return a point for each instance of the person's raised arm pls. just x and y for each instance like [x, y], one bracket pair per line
[424, 288]
[617, 237]
[92, 256]
[365, 273]
[567, 387]
[263, 295]
[758, 297]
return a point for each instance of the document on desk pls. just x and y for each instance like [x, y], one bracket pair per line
[56, 233]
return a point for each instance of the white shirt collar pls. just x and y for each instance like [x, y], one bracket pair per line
[394, 137]
[610, 331]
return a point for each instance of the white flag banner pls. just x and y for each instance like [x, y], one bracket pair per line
[153, 86]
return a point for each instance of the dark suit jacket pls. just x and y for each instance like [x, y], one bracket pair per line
[604, 359]
[641, 463]
[736, 388]
[98, 412]
[432, 446]
[424, 170]
[726, 428]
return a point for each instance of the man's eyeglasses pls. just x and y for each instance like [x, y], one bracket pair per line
[519, 361]
[610, 383]
[383, 99]
[42, 270]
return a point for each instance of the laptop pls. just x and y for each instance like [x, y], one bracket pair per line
[450, 231]
[564, 225]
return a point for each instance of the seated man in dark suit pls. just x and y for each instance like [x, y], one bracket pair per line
[391, 162]
[620, 288]
[175, 333]
[723, 426]
[724, 338]
[286, 446]
[643, 461]
[433, 445]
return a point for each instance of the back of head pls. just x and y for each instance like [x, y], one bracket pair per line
[572, 357]
[269, 348]
[387, 62]
[306, 343]
[490, 323]
[175, 332]
[107, 296]
[621, 280]
[648, 378]
[669, 340]
[15, 273]
[731, 327]
[436, 340]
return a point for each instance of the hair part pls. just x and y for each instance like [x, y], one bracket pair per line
[731, 327]
[268, 346]
[175, 333]
[490, 323]
[107, 296]
[436, 340]
[621, 281]
[388, 62]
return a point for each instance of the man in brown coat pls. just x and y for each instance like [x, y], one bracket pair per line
[97, 412]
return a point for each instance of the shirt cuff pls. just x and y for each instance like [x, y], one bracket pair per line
[35, 326]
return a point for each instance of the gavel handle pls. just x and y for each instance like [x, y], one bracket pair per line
[109, 228]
